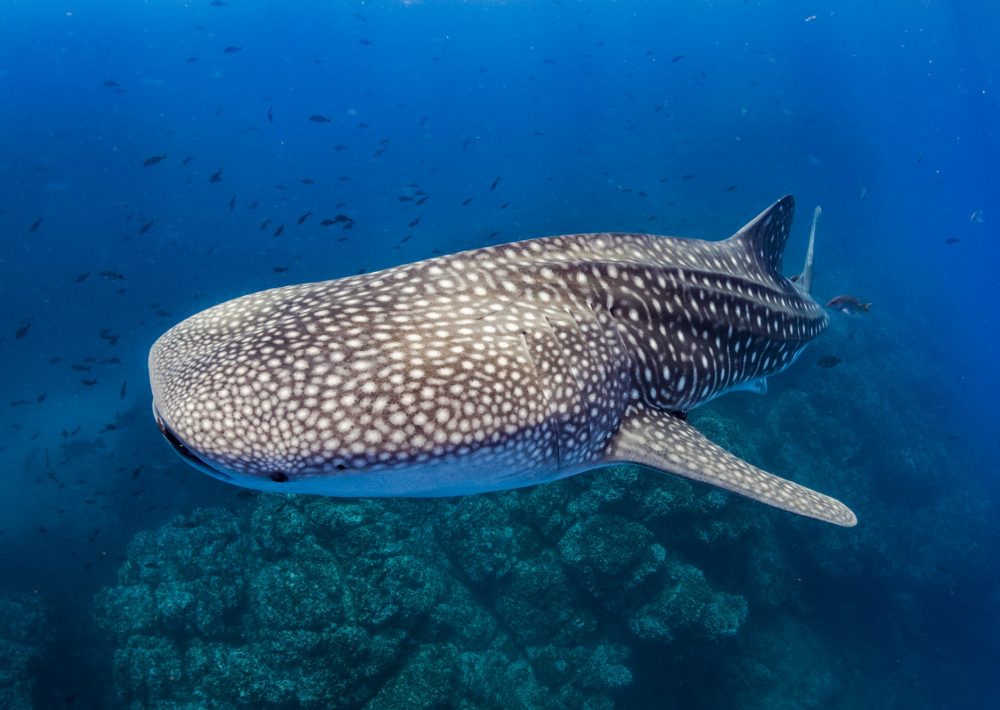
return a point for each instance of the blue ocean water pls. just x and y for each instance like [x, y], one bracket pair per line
[129, 579]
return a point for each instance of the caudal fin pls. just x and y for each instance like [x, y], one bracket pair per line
[805, 279]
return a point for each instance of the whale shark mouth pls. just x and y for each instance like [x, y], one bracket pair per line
[185, 452]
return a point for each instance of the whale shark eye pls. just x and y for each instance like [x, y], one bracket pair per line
[278, 476]
[341, 467]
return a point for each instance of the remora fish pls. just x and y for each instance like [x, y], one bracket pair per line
[495, 368]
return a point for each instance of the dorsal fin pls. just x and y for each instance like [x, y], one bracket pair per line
[765, 235]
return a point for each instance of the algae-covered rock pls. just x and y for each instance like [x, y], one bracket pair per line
[687, 603]
[517, 600]
[610, 556]
[24, 637]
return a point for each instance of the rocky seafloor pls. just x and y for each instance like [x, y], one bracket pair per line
[618, 588]
[25, 634]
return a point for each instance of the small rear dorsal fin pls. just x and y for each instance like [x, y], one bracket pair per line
[764, 236]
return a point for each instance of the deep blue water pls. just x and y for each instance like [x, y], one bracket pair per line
[672, 118]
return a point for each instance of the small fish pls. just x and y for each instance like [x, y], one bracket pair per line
[341, 218]
[307, 181]
[22, 330]
[187, 160]
[35, 225]
[191, 60]
[41, 398]
[505, 205]
[976, 217]
[327, 222]
[319, 118]
[263, 225]
[405, 198]
[270, 114]
[88, 382]
[216, 176]
[123, 389]
[146, 227]
[82, 277]
[467, 201]
[677, 58]
[253, 204]
[494, 185]
[303, 218]
[851, 305]
[365, 42]
[415, 222]
[232, 203]
[280, 230]
[80, 367]
[828, 361]
[731, 188]
[136, 471]
[232, 50]
[153, 160]
[951, 240]
[112, 84]
[109, 275]
[279, 269]
[422, 200]
[379, 152]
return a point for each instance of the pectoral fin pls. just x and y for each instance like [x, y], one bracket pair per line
[664, 442]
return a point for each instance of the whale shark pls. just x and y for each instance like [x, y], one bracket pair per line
[495, 368]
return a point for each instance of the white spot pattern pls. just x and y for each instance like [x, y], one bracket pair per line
[489, 369]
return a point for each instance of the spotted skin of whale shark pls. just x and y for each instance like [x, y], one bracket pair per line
[494, 368]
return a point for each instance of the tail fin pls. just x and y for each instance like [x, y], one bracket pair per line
[805, 279]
